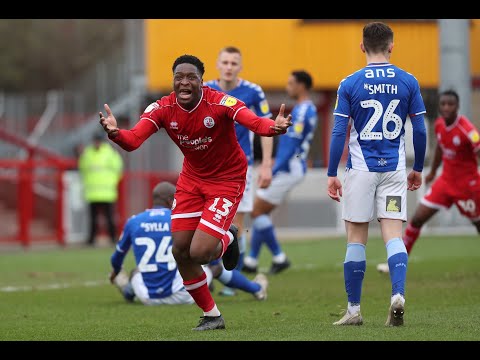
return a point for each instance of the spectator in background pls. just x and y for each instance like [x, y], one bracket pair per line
[289, 170]
[100, 167]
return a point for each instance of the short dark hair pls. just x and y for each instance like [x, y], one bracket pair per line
[376, 37]
[231, 50]
[189, 59]
[303, 77]
[450, 92]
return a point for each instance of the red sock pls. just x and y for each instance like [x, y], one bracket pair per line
[198, 288]
[411, 235]
[225, 242]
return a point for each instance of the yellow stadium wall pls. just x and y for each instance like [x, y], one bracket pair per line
[272, 48]
[475, 47]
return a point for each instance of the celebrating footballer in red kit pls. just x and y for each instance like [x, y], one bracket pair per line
[200, 121]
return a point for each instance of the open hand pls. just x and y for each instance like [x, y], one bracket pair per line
[109, 123]
[264, 176]
[334, 188]
[282, 123]
[414, 180]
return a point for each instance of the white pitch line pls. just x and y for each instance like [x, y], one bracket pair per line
[54, 286]
[307, 266]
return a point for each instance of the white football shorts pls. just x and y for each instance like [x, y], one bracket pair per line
[282, 183]
[141, 292]
[246, 204]
[364, 190]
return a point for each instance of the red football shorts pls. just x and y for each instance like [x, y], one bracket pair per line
[465, 195]
[206, 205]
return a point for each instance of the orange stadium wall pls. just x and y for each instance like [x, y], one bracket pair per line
[273, 47]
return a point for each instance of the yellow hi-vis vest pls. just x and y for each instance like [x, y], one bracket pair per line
[101, 170]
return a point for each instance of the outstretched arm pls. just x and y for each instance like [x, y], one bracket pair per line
[263, 126]
[128, 140]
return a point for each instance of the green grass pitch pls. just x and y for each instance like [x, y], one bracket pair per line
[63, 294]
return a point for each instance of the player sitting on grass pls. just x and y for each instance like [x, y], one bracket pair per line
[156, 279]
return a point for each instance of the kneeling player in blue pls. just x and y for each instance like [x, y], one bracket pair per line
[156, 279]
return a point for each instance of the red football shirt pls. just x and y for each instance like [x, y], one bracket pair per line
[205, 134]
[460, 143]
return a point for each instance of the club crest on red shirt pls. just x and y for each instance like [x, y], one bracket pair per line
[209, 122]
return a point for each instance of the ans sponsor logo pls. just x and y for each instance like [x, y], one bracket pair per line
[200, 143]
[401, 264]
[379, 73]
[174, 125]
[228, 101]
[151, 107]
[174, 203]
[394, 204]
[209, 122]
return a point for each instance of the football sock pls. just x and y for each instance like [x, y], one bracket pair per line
[353, 308]
[263, 229]
[354, 268]
[250, 261]
[214, 312]
[280, 258]
[235, 279]
[199, 291]
[397, 262]
[256, 240]
[226, 240]
[411, 235]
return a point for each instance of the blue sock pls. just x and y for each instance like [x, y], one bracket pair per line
[263, 232]
[242, 244]
[354, 268]
[235, 279]
[256, 240]
[397, 263]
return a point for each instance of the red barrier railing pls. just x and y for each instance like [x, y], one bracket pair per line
[18, 178]
[135, 192]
